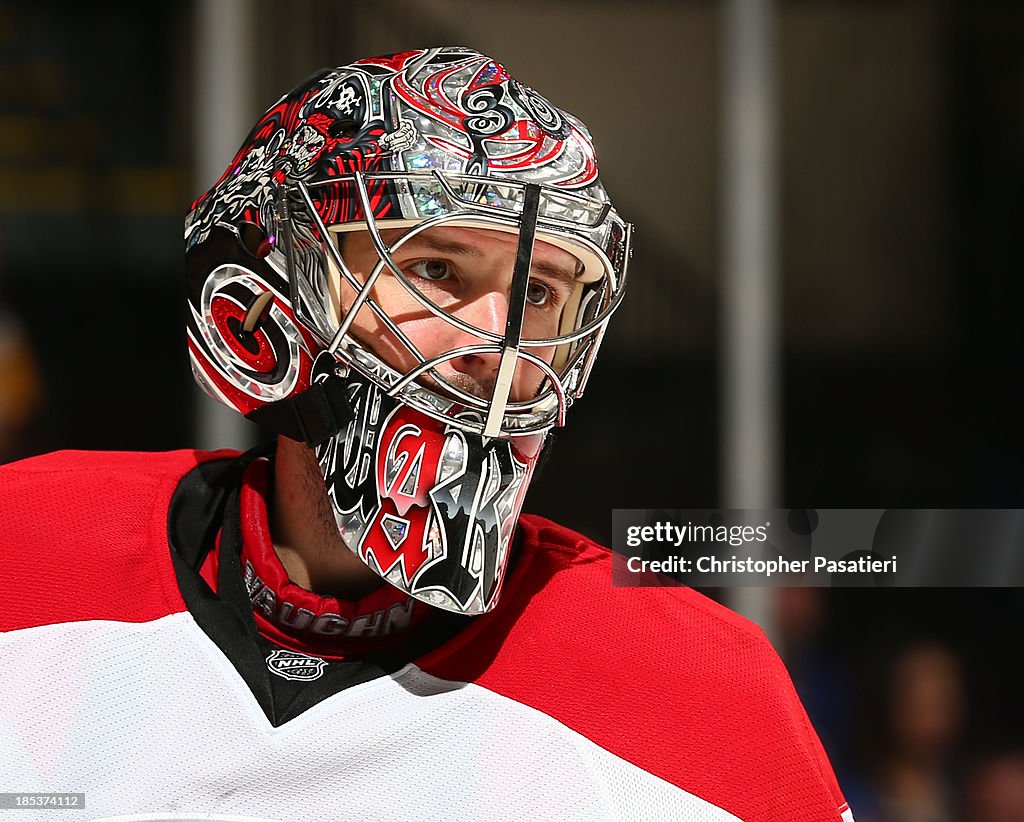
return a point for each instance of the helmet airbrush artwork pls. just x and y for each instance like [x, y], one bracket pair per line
[426, 472]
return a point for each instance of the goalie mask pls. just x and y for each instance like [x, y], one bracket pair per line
[409, 265]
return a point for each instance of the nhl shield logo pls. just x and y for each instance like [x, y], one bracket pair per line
[295, 666]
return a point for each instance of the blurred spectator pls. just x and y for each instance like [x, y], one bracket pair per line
[20, 386]
[995, 789]
[918, 780]
[821, 679]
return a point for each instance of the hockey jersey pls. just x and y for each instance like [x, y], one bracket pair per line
[133, 677]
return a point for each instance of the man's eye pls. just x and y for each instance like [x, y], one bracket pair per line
[431, 269]
[538, 294]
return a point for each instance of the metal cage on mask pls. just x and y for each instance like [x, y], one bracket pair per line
[425, 464]
[585, 226]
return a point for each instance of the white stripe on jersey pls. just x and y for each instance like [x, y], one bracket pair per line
[151, 718]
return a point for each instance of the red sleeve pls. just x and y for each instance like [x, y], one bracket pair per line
[83, 536]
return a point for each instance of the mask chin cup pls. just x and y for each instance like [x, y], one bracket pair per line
[426, 505]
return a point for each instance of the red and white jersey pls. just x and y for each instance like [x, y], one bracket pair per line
[128, 678]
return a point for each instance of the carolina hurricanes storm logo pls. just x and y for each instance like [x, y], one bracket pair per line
[495, 123]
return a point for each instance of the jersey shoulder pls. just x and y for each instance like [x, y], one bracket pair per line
[663, 677]
[83, 535]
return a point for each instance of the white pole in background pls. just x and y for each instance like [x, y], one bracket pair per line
[222, 39]
[749, 365]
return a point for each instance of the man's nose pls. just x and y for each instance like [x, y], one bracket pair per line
[488, 312]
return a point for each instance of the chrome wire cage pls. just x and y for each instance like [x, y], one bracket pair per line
[587, 226]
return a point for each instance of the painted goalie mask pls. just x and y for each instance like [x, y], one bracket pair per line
[409, 265]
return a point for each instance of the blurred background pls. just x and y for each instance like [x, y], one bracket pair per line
[885, 170]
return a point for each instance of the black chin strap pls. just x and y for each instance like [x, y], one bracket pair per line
[312, 417]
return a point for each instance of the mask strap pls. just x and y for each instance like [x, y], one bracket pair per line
[312, 417]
